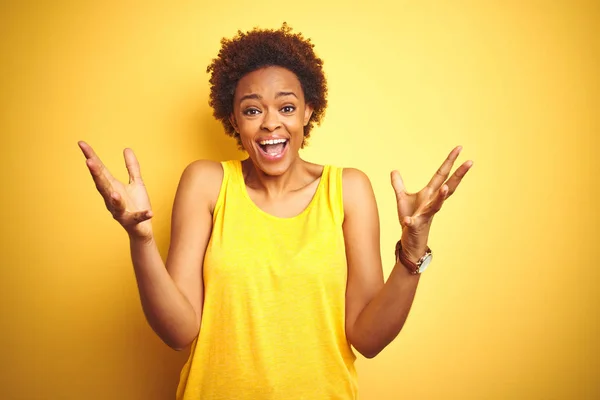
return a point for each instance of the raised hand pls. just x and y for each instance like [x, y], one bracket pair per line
[416, 210]
[129, 204]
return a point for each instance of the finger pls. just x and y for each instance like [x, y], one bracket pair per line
[100, 177]
[133, 166]
[126, 218]
[87, 150]
[425, 215]
[397, 184]
[117, 205]
[130, 219]
[444, 170]
[90, 154]
[437, 202]
[457, 177]
[140, 216]
[414, 221]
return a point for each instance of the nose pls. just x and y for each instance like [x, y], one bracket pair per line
[270, 121]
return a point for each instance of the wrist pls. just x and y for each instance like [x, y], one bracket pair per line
[142, 240]
[414, 247]
[415, 262]
[413, 255]
[414, 239]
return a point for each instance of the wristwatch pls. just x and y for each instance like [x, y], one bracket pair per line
[414, 268]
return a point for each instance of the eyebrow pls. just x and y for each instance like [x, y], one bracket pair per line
[259, 97]
[282, 94]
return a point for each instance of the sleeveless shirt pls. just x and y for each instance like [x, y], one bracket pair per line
[273, 320]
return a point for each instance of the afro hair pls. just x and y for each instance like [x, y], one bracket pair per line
[259, 48]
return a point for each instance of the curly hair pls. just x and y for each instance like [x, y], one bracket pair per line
[259, 48]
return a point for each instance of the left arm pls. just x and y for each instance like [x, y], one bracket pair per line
[376, 311]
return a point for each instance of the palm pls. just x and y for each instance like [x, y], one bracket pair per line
[416, 210]
[136, 196]
[129, 204]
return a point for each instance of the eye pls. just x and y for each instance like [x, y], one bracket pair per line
[251, 111]
[288, 109]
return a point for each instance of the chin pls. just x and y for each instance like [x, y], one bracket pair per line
[274, 163]
[273, 168]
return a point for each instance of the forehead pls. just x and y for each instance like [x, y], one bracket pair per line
[269, 81]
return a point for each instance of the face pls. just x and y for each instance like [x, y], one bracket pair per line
[269, 113]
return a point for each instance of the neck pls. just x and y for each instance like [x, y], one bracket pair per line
[293, 178]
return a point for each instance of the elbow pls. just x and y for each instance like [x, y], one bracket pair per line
[177, 340]
[368, 351]
[177, 337]
[177, 344]
[367, 348]
[370, 355]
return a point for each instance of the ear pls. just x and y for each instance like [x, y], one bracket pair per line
[308, 110]
[233, 122]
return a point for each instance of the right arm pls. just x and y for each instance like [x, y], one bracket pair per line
[171, 294]
[172, 297]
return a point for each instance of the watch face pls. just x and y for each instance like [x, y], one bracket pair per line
[425, 263]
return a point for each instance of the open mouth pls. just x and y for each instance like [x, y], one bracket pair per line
[273, 147]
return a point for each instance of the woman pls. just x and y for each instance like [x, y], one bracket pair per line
[274, 269]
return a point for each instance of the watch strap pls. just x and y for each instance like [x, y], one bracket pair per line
[412, 267]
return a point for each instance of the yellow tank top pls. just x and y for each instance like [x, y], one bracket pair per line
[273, 322]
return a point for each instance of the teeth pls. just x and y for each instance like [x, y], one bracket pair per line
[272, 141]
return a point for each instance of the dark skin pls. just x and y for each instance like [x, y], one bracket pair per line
[269, 104]
[172, 292]
[416, 210]
[376, 311]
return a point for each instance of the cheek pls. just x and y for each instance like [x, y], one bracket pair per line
[246, 132]
[296, 123]
[248, 127]
[247, 141]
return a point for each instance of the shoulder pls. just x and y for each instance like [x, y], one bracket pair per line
[353, 177]
[205, 173]
[202, 180]
[357, 190]
[355, 183]
[204, 169]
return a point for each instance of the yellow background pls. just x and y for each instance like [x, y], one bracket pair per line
[508, 309]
